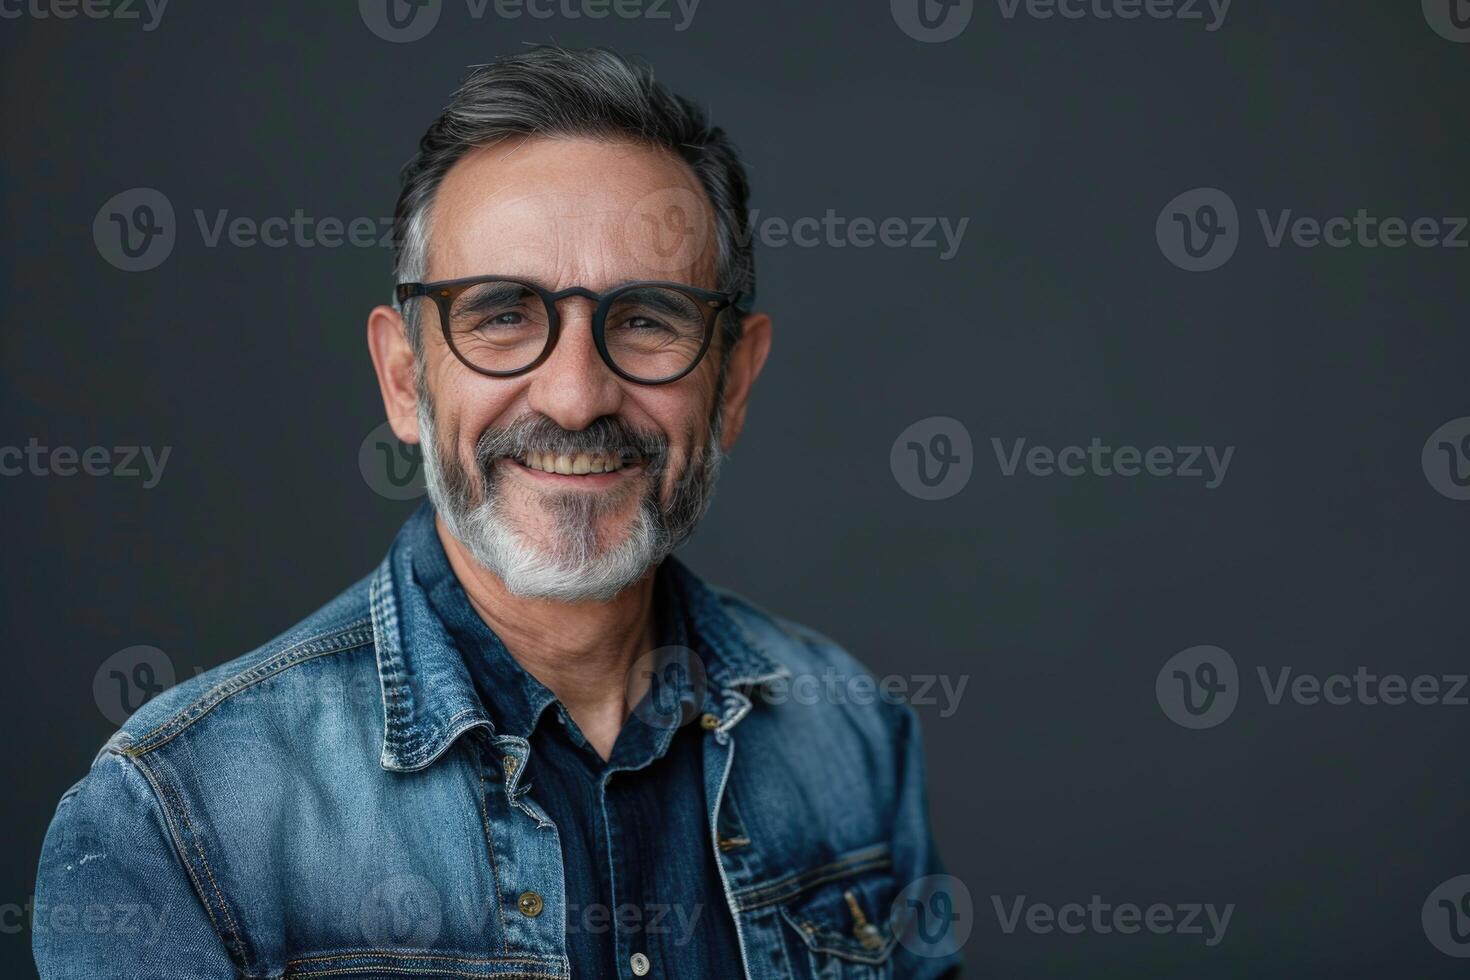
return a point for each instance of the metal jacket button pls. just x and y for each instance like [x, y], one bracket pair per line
[530, 904]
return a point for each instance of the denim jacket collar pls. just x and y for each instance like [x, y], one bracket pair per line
[429, 698]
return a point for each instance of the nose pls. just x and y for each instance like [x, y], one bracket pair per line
[573, 386]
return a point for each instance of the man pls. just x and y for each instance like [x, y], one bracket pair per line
[532, 743]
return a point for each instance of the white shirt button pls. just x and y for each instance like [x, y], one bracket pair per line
[639, 963]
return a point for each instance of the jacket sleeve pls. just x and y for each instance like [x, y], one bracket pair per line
[933, 913]
[113, 900]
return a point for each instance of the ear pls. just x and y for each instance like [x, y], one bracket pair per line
[746, 361]
[393, 360]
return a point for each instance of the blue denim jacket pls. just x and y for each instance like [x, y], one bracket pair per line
[337, 803]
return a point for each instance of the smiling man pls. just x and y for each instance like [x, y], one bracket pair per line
[532, 743]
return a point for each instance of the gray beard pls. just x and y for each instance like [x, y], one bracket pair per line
[575, 566]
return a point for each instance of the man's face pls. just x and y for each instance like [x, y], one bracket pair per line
[560, 213]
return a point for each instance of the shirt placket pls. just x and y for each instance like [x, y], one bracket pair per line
[525, 857]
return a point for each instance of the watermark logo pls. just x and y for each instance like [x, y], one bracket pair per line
[135, 230]
[400, 21]
[1199, 230]
[391, 468]
[1450, 19]
[932, 917]
[933, 458]
[666, 687]
[129, 679]
[404, 910]
[1446, 917]
[932, 21]
[1446, 459]
[1198, 687]
[669, 229]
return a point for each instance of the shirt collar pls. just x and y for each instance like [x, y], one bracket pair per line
[429, 697]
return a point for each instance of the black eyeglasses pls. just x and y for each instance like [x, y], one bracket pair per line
[649, 333]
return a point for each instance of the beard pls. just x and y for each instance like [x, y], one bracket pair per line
[579, 559]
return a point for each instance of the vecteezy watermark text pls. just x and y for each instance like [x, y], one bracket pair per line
[34, 459]
[1097, 459]
[1211, 12]
[150, 12]
[1200, 230]
[402, 21]
[1201, 686]
[1103, 918]
[842, 687]
[833, 230]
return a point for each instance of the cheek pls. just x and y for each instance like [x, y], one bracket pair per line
[683, 407]
[680, 413]
[466, 404]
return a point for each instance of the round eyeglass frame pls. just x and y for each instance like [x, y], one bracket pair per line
[446, 291]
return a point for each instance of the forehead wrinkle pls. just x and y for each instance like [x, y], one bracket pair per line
[576, 229]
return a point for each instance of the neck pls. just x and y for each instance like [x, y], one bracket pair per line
[581, 651]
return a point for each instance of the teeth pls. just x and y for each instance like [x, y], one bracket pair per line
[579, 464]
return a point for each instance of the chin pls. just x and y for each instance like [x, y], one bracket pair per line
[566, 566]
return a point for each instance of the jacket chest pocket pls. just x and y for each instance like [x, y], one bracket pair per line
[840, 929]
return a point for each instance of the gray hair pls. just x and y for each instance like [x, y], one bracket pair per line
[551, 91]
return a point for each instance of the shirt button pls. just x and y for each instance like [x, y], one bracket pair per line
[709, 722]
[639, 963]
[530, 904]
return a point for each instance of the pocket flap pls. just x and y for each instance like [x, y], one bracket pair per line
[848, 917]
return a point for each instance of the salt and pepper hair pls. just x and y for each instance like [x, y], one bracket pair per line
[589, 93]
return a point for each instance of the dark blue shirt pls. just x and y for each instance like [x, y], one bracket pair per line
[634, 829]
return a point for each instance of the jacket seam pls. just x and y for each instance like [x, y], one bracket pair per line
[347, 638]
[167, 798]
[368, 954]
[421, 971]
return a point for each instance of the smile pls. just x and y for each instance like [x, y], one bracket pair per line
[577, 464]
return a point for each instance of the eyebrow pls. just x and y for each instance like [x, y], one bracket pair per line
[490, 295]
[675, 304]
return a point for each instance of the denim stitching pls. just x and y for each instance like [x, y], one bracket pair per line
[868, 859]
[231, 937]
[348, 638]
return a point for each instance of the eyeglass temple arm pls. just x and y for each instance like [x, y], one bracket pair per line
[408, 290]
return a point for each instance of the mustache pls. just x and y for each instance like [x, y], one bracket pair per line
[607, 435]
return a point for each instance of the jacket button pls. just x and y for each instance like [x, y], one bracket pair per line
[639, 963]
[530, 904]
[510, 765]
[709, 722]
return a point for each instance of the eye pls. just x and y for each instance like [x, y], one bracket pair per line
[644, 323]
[510, 318]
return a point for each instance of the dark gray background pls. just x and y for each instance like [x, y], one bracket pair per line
[1060, 777]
